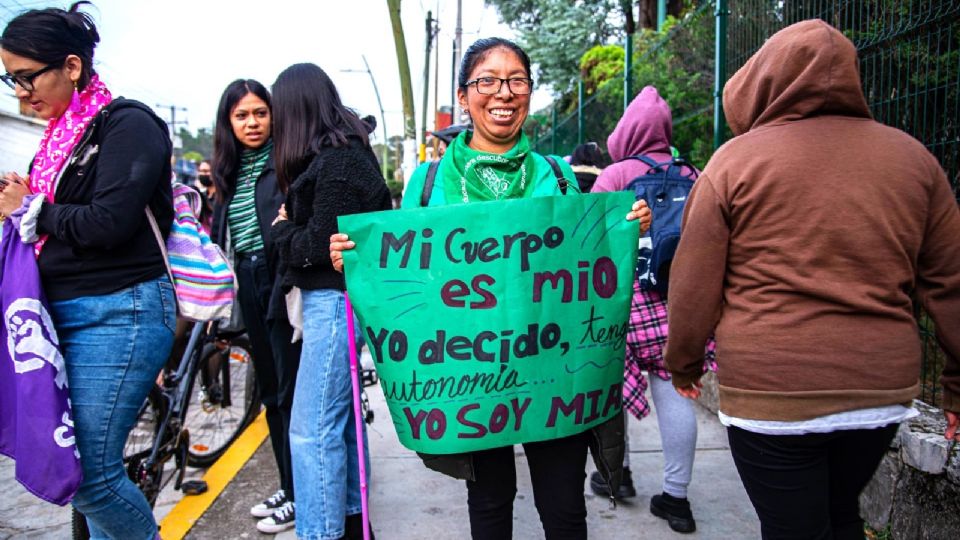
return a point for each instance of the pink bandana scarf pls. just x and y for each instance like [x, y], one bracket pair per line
[61, 136]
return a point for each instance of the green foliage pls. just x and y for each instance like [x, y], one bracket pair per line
[394, 185]
[678, 61]
[201, 143]
[193, 156]
[599, 65]
[556, 34]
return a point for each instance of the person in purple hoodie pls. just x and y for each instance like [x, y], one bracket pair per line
[646, 129]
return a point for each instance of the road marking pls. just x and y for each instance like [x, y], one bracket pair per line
[190, 508]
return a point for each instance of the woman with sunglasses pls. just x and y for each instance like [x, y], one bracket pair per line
[102, 163]
[495, 89]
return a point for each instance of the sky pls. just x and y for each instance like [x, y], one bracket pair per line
[184, 53]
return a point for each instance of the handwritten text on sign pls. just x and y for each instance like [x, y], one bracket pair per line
[495, 323]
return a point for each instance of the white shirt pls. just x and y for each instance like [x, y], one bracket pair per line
[870, 418]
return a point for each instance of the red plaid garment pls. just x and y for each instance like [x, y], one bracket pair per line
[646, 338]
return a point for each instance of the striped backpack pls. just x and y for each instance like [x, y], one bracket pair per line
[198, 268]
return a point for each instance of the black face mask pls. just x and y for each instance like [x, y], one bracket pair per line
[205, 180]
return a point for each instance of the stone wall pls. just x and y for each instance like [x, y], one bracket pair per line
[916, 490]
[915, 493]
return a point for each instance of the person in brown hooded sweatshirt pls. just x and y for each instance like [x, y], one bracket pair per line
[803, 242]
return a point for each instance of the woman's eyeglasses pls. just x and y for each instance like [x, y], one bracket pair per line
[25, 81]
[492, 85]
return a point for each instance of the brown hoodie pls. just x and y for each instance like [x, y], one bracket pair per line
[804, 239]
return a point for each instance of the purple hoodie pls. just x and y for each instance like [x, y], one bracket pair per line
[645, 129]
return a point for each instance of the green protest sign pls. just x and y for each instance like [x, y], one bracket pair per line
[495, 323]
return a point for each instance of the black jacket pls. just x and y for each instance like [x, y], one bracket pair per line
[267, 200]
[100, 240]
[339, 181]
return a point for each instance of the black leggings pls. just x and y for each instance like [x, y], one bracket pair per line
[275, 359]
[557, 473]
[808, 486]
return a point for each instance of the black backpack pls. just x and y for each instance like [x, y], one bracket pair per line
[434, 165]
[665, 187]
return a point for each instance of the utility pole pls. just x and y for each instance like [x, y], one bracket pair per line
[172, 124]
[383, 118]
[436, 70]
[457, 52]
[454, 117]
[426, 88]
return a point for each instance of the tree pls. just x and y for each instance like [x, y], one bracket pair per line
[648, 12]
[556, 34]
[406, 88]
[202, 142]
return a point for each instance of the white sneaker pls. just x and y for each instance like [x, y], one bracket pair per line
[280, 521]
[269, 506]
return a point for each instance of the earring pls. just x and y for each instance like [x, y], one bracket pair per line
[75, 104]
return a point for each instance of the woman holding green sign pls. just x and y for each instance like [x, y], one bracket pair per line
[493, 161]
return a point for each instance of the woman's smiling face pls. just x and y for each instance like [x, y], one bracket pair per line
[497, 118]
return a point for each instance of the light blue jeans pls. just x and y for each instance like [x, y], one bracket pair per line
[113, 346]
[323, 441]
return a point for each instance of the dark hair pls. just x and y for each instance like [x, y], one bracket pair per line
[480, 49]
[226, 147]
[50, 35]
[307, 116]
[588, 154]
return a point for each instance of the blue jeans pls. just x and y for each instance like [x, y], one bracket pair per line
[114, 346]
[323, 441]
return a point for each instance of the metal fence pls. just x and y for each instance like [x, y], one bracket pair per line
[679, 64]
[909, 63]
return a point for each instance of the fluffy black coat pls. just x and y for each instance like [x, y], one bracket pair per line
[339, 181]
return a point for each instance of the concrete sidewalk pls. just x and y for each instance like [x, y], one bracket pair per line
[410, 502]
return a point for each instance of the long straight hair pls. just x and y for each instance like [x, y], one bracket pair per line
[226, 147]
[307, 116]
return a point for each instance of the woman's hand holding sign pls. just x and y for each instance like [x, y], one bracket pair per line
[338, 244]
[642, 212]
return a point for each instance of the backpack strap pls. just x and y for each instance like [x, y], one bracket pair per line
[428, 183]
[561, 180]
[677, 162]
[646, 160]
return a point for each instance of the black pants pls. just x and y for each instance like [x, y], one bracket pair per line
[808, 486]
[275, 359]
[557, 472]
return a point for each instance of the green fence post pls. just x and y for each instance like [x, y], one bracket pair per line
[627, 68]
[580, 111]
[661, 14]
[720, 71]
[553, 131]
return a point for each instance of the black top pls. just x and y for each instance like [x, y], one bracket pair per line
[100, 240]
[339, 181]
[267, 200]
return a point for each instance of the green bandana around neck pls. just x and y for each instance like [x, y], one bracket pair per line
[472, 176]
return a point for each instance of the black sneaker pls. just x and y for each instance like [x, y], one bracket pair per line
[270, 505]
[280, 521]
[675, 511]
[599, 486]
[354, 528]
